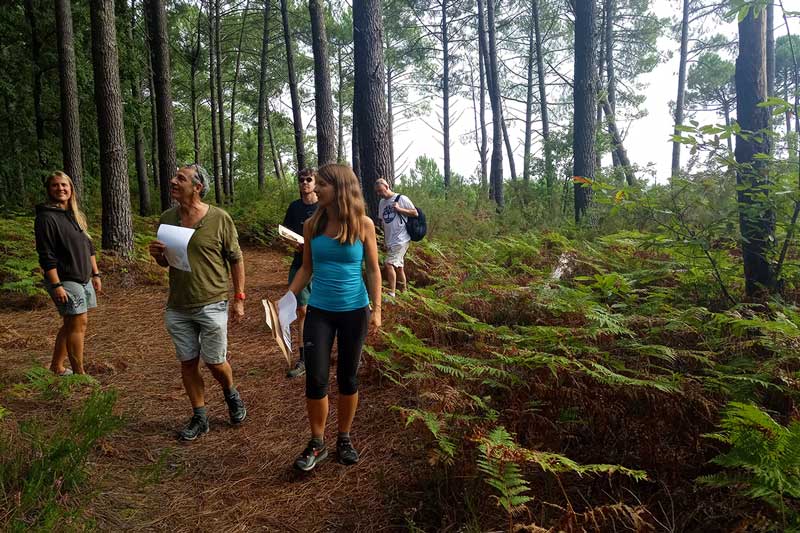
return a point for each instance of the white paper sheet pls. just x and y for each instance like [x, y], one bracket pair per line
[290, 235]
[176, 239]
[287, 313]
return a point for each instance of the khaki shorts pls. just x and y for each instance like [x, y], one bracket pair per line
[200, 332]
[396, 254]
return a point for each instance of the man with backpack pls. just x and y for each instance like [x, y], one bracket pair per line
[395, 210]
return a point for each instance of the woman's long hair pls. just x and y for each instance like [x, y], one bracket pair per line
[348, 199]
[72, 205]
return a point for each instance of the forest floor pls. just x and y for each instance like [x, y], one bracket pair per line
[234, 478]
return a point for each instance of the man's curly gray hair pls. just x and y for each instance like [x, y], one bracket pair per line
[200, 176]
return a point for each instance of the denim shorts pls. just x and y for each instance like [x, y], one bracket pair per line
[199, 332]
[80, 297]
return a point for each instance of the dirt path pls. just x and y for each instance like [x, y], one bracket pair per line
[233, 479]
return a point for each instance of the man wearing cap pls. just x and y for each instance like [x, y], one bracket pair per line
[197, 307]
[296, 214]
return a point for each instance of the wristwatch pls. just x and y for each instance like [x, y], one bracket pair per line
[239, 296]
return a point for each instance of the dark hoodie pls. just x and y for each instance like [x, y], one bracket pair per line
[62, 244]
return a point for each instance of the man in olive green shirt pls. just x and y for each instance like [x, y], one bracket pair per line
[197, 308]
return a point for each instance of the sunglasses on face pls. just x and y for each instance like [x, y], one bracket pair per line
[305, 180]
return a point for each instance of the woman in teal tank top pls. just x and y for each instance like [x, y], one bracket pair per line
[339, 238]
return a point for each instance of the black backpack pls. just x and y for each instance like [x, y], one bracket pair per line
[416, 226]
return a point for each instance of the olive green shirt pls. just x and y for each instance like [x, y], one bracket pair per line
[212, 249]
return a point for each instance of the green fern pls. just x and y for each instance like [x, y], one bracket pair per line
[763, 461]
[503, 474]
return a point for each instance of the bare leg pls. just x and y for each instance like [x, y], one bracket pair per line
[75, 332]
[223, 373]
[60, 349]
[193, 382]
[317, 415]
[391, 278]
[346, 411]
[401, 278]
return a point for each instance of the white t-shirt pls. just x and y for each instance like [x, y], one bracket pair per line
[394, 226]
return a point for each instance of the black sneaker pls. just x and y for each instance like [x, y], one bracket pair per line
[310, 457]
[344, 449]
[298, 370]
[197, 427]
[236, 408]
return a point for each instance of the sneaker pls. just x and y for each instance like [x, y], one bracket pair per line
[236, 408]
[344, 449]
[65, 372]
[298, 370]
[310, 457]
[197, 427]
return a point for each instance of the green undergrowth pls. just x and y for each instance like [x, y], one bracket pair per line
[542, 380]
[44, 455]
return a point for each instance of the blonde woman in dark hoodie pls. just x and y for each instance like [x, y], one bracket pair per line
[71, 276]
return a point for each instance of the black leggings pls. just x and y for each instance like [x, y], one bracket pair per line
[319, 329]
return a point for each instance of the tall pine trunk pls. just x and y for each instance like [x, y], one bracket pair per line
[496, 172]
[482, 102]
[297, 118]
[585, 105]
[70, 120]
[549, 170]
[445, 95]
[36, 53]
[340, 101]
[162, 85]
[262, 97]
[676, 146]
[356, 151]
[153, 124]
[323, 101]
[117, 234]
[219, 193]
[226, 185]
[233, 101]
[194, 67]
[370, 108]
[512, 167]
[276, 157]
[526, 160]
[138, 131]
[390, 116]
[756, 215]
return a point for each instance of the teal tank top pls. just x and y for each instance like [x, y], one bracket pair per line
[338, 283]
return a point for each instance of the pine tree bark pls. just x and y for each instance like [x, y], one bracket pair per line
[36, 53]
[159, 51]
[138, 130]
[756, 215]
[496, 172]
[512, 167]
[276, 159]
[445, 95]
[676, 146]
[585, 105]
[482, 101]
[153, 125]
[262, 97]
[117, 233]
[231, 188]
[297, 118]
[549, 170]
[770, 49]
[356, 151]
[219, 193]
[390, 116]
[340, 101]
[226, 188]
[323, 101]
[70, 119]
[526, 160]
[370, 107]
[193, 68]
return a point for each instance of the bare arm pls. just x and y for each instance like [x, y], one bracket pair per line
[373, 271]
[97, 284]
[303, 275]
[407, 211]
[237, 273]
